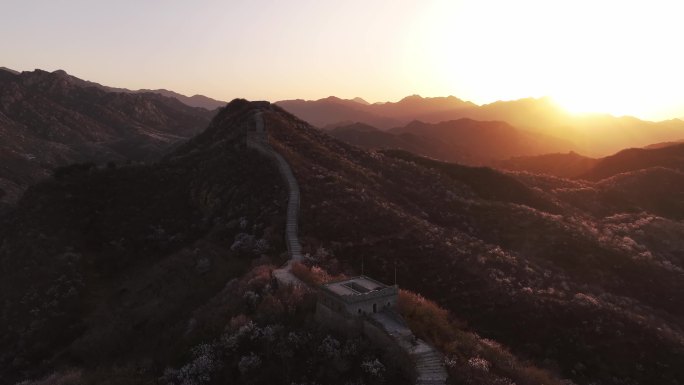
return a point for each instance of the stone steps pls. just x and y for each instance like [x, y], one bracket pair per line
[432, 369]
[259, 141]
[429, 363]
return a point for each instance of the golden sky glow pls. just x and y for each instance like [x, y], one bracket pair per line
[619, 57]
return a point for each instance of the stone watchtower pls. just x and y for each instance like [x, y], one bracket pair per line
[356, 296]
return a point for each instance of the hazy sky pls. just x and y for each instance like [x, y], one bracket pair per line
[622, 57]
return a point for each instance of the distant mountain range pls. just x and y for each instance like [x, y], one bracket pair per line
[635, 159]
[572, 165]
[596, 135]
[664, 144]
[332, 111]
[49, 120]
[563, 165]
[464, 140]
[369, 137]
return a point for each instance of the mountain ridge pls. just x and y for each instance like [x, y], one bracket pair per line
[13, 72]
[594, 134]
[196, 100]
[463, 140]
[48, 120]
[573, 165]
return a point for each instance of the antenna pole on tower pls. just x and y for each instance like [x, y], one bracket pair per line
[395, 272]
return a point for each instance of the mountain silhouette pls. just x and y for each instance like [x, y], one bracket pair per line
[485, 141]
[192, 101]
[13, 72]
[369, 137]
[663, 144]
[464, 141]
[592, 134]
[568, 165]
[635, 159]
[333, 111]
[572, 165]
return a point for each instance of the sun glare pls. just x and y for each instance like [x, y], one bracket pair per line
[585, 102]
[617, 57]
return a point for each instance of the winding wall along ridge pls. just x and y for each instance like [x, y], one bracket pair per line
[258, 140]
[291, 225]
[429, 362]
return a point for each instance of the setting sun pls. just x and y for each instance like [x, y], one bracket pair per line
[591, 56]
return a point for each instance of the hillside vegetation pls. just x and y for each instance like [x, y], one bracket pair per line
[161, 272]
[579, 290]
[102, 267]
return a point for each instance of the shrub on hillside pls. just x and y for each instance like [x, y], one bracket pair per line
[427, 319]
[72, 169]
[68, 377]
[313, 275]
[469, 358]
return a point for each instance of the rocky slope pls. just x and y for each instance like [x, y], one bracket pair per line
[49, 120]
